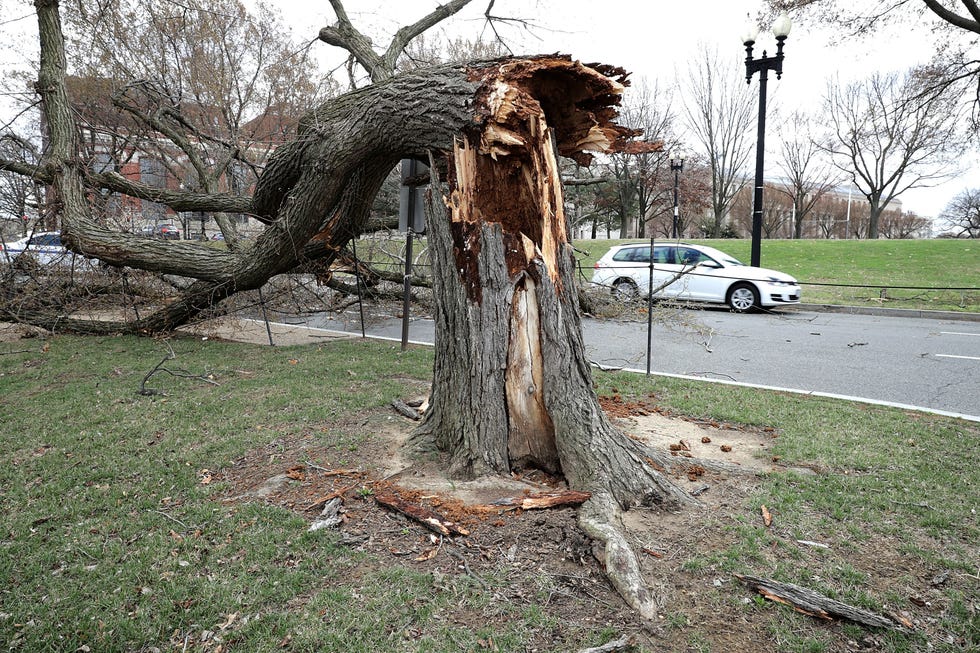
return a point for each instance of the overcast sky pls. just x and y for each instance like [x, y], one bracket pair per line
[655, 40]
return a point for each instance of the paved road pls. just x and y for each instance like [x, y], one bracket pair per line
[923, 362]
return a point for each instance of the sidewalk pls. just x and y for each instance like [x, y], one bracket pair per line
[258, 332]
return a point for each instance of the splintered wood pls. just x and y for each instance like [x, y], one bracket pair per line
[542, 500]
[428, 518]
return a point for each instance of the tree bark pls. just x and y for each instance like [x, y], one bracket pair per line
[512, 388]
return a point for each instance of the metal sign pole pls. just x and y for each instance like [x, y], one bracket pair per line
[411, 220]
[407, 297]
[650, 308]
[357, 277]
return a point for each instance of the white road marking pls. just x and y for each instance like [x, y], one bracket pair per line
[969, 358]
[958, 333]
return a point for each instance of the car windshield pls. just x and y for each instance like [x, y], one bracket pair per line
[718, 255]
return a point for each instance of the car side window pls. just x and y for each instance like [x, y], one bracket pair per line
[47, 240]
[623, 255]
[687, 256]
[633, 255]
[663, 255]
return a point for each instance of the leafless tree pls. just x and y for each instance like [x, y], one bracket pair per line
[719, 114]
[637, 179]
[808, 176]
[962, 214]
[955, 67]
[903, 224]
[889, 139]
[20, 196]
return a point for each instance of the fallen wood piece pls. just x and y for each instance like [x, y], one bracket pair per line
[815, 604]
[334, 472]
[766, 516]
[428, 518]
[624, 643]
[819, 545]
[330, 517]
[540, 500]
[316, 505]
[405, 410]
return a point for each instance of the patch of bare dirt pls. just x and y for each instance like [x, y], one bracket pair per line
[525, 551]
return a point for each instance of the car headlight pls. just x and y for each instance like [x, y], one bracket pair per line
[781, 282]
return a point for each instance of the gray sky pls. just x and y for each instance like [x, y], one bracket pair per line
[654, 39]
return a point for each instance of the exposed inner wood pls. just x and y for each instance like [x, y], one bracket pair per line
[531, 438]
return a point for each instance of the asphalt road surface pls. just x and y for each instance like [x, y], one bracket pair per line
[909, 361]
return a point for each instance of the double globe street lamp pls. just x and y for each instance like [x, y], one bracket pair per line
[780, 29]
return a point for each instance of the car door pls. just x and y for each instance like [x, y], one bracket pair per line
[634, 263]
[664, 270]
[46, 248]
[705, 280]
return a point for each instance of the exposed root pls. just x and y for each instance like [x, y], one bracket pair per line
[599, 517]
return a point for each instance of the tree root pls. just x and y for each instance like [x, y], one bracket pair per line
[599, 517]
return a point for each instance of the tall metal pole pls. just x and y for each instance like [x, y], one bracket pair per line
[407, 291]
[676, 164]
[762, 66]
[760, 154]
[650, 304]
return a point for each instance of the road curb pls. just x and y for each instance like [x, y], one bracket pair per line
[888, 312]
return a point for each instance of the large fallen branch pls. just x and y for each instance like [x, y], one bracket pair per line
[817, 605]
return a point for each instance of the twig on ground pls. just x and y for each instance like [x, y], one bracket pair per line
[159, 367]
[466, 567]
[171, 518]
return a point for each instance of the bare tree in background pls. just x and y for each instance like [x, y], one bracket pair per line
[637, 179]
[889, 138]
[20, 196]
[808, 175]
[962, 214]
[221, 84]
[955, 66]
[719, 112]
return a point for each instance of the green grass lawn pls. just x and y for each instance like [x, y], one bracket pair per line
[874, 265]
[111, 541]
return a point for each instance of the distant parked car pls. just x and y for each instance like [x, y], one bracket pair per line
[44, 248]
[703, 274]
[166, 231]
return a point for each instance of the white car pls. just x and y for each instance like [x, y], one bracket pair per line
[44, 247]
[695, 273]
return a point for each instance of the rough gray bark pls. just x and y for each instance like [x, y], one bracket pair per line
[512, 388]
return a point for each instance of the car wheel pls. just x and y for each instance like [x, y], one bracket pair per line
[625, 290]
[743, 297]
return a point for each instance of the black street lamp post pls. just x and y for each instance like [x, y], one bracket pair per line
[676, 165]
[763, 65]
